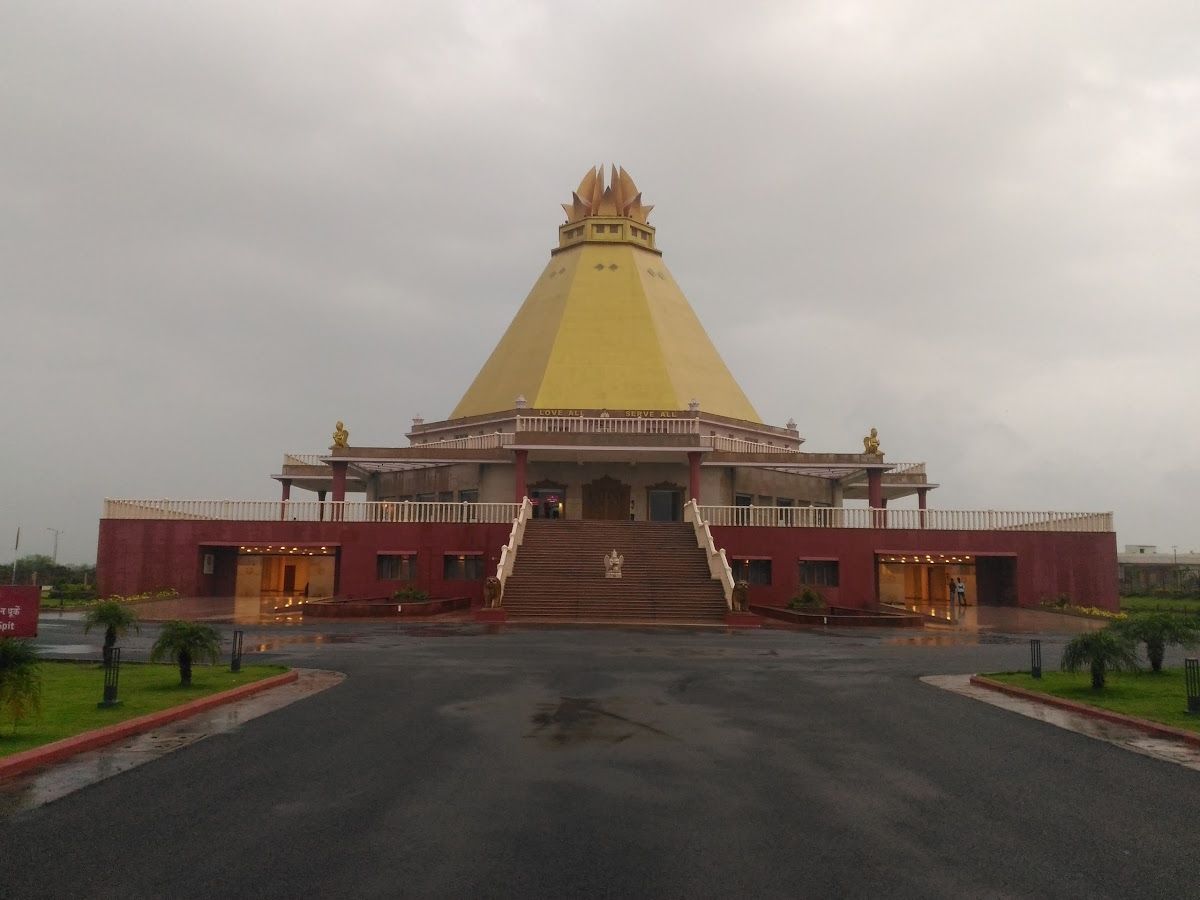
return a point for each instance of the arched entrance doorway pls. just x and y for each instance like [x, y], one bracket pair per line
[606, 498]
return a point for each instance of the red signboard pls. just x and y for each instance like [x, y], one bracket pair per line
[19, 610]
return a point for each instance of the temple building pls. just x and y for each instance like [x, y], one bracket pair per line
[605, 414]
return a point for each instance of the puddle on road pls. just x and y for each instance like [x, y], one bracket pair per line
[578, 720]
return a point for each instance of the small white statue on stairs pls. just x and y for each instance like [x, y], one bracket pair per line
[612, 565]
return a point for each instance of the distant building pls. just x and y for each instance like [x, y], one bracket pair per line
[1142, 569]
[606, 402]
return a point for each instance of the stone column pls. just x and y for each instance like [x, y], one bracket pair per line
[339, 487]
[520, 459]
[321, 508]
[694, 475]
[875, 496]
[286, 495]
[921, 504]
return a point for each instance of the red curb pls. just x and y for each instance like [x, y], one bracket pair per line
[109, 734]
[1155, 728]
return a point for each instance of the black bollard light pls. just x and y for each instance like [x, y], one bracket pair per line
[1035, 658]
[112, 675]
[235, 661]
[1191, 677]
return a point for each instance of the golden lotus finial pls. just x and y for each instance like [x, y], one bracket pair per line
[620, 198]
[341, 437]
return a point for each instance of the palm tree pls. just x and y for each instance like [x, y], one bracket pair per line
[116, 617]
[1157, 631]
[20, 680]
[1101, 651]
[185, 642]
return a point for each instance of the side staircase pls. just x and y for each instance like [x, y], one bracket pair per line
[559, 573]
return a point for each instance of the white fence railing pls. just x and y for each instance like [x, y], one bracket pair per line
[471, 442]
[607, 425]
[311, 511]
[739, 445]
[303, 459]
[718, 565]
[931, 519]
[508, 553]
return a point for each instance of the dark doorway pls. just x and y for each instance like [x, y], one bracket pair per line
[664, 503]
[549, 500]
[996, 580]
[289, 579]
[606, 498]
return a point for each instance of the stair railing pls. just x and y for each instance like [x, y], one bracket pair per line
[718, 565]
[508, 553]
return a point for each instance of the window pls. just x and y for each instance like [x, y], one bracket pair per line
[755, 571]
[396, 566]
[446, 497]
[471, 496]
[462, 567]
[819, 573]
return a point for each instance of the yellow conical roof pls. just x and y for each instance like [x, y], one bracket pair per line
[605, 325]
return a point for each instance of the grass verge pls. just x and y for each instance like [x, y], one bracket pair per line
[1137, 605]
[70, 692]
[1160, 698]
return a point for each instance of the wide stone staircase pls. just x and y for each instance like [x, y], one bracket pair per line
[559, 573]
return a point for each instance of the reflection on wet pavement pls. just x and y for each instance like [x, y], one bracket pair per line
[1013, 619]
[42, 786]
[1121, 735]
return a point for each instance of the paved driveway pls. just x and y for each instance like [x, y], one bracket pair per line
[454, 761]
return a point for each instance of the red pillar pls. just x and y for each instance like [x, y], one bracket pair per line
[339, 487]
[286, 495]
[521, 457]
[875, 496]
[694, 475]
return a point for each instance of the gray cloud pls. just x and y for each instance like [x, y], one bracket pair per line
[227, 225]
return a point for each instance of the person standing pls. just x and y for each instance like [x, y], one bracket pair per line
[960, 591]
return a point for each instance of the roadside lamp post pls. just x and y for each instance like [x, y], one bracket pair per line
[1191, 677]
[1035, 658]
[235, 660]
[112, 674]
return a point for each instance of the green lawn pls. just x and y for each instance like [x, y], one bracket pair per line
[1161, 698]
[1159, 604]
[71, 690]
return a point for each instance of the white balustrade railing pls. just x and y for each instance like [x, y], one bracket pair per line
[718, 565]
[508, 553]
[303, 459]
[929, 519]
[311, 511]
[907, 469]
[740, 445]
[607, 425]
[471, 442]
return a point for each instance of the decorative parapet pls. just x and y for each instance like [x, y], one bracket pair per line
[916, 519]
[718, 565]
[508, 553]
[311, 511]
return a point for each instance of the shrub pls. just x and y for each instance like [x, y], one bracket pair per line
[20, 680]
[1103, 651]
[410, 595]
[1157, 631]
[807, 600]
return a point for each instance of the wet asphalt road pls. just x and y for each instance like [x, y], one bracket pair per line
[458, 762]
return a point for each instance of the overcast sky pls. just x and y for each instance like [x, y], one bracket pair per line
[975, 226]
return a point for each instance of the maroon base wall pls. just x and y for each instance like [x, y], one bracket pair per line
[136, 555]
[1082, 565]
